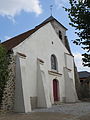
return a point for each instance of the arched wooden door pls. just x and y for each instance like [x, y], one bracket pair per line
[55, 90]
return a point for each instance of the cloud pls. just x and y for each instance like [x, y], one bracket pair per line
[7, 37]
[61, 3]
[78, 62]
[11, 8]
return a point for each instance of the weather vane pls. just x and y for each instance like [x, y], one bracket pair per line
[51, 7]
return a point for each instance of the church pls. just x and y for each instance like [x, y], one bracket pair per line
[44, 67]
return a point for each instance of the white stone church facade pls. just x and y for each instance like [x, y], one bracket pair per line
[44, 71]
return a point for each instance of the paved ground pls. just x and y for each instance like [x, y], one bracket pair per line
[77, 111]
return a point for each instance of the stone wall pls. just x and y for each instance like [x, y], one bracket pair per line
[77, 82]
[9, 91]
[33, 101]
[85, 88]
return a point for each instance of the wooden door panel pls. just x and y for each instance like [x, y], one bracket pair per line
[55, 90]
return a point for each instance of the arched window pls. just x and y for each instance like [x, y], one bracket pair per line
[60, 35]
[53, 62]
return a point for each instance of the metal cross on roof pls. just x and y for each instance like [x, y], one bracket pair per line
[51, 6]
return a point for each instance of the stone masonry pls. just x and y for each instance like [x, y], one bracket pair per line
[9, 91]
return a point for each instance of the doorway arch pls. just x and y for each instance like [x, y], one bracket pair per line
[56, 90]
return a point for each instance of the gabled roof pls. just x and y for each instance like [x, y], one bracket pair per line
[11, 43]
[49, 19]
[84, 74]
[52, 18]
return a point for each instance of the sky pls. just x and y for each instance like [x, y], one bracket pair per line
[18, 16]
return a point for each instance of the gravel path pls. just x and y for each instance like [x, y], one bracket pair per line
[77, 109]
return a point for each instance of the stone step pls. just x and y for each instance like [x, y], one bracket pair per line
[57, 103]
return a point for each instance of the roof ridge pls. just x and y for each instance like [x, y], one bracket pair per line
[12, 42]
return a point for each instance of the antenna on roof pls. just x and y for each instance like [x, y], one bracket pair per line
[51, 6]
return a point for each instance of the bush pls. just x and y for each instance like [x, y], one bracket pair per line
[4, 61]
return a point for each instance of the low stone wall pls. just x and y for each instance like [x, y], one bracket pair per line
[85, 90]
[9, 91]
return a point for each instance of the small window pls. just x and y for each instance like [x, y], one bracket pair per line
[53, 62]
[60, 35]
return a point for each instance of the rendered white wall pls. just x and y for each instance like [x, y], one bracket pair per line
[19, 99]
[22, 99]
[39, 45]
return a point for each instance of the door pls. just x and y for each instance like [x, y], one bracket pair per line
[55, 90]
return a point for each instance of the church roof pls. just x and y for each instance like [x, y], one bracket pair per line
[52, 18]
[48, 19]
[11, 43]
[84, 74]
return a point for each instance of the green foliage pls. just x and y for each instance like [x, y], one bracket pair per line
[79, 14]
[4, 61]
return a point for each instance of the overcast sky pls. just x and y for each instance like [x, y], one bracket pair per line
[17, 16]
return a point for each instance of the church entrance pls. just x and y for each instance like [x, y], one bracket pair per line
[55, 90]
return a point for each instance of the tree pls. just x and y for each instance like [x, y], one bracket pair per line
[4, 61]
[79, 14]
